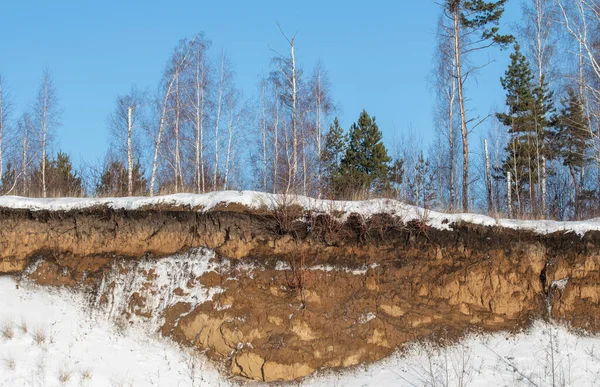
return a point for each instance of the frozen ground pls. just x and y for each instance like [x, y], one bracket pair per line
[253, 199]
[50, 337]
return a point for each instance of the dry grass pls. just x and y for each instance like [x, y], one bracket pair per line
[24, 327]
[39, 336]
[9, 363]
[86, 374]
[64, 375]
[7, 330]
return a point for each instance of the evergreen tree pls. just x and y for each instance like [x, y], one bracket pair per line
[114, 180]
[8, 178]
[396, 175]
[61, 179]
[331, 156]
[573, 139]
[423, 187]
[525, 119]
[365, 165]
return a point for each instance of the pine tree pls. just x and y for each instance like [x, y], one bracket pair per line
[573, 139]
[545, 120]
[423, 187]
[524, 110]
[8, 178]
[365, 165]
[396, 176]
[331, 156]
[114, 181]
[61, 180]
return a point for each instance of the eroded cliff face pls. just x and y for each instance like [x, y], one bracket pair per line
[291, 293]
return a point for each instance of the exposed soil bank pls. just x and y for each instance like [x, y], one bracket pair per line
[304, 295]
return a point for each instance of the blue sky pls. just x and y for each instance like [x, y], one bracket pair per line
[378, 55]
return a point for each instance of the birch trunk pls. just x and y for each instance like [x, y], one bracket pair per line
[2, 115]
[129, 152]
[231, 130]
[276, 141]
[463, 119]
[163, 117]
[294, 114]
[197, 101]
[263, 129]
[199, 110]
[488, 178]
[218, 120]
[178, 174]
[509, 194]
[44, 123]
[318, 132]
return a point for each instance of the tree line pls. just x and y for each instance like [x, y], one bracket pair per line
[537, 157]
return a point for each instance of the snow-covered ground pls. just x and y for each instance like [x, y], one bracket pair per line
[251, 199]
[51, 337]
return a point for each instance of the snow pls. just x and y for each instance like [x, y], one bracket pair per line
[251, 199]
[560, 284]
[157, 281]
[85, 348]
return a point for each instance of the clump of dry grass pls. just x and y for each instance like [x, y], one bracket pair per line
[7, 330]
[24, 327]
[9, 363]
[86, 374]
[64, 375]
[39, 336]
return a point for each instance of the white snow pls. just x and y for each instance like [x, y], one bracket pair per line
[251, 199]
[560, 284]
[156, 281]
[84, 348]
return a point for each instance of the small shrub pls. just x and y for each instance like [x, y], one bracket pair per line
[64, 375]
[39, 336]
[7, 330]
[86, 374]
[24, 328]
[10, 363]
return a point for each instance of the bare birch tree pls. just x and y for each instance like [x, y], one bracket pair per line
[198, 103]
[47, 114]
[5, 107]
[287, 77]
[24, 133]
[175, 67]
[323, 106]
[226, 104]
[123, 121]
[263, 133]
[445, 85]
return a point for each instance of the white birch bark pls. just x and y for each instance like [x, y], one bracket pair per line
[176, 70]
[129, 151]
[218, 118]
